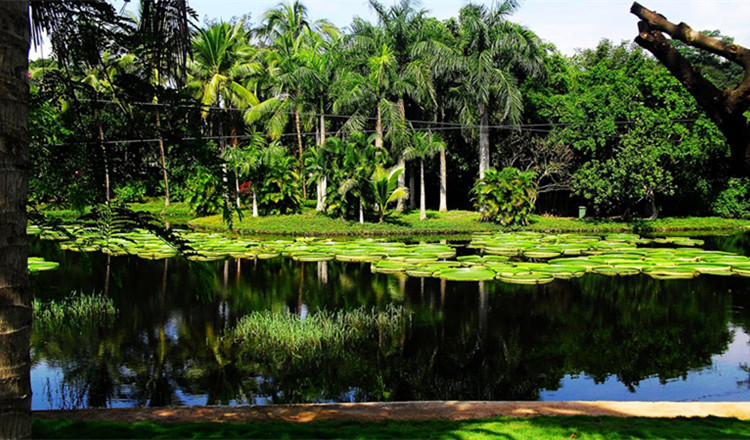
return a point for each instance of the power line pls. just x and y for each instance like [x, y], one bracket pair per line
[371, 118]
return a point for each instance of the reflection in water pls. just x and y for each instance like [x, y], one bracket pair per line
[634, 336]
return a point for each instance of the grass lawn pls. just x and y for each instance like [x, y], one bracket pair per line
[578, 427]
[450, 223]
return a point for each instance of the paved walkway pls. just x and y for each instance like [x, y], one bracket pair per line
[403, 411]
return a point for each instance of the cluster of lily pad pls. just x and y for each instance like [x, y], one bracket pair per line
[521, 258]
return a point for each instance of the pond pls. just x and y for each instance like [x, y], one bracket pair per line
[181, 334]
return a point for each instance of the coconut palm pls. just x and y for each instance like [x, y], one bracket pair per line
[424, 145]
[493, 53]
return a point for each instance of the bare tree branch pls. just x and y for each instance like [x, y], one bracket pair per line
[725, 108]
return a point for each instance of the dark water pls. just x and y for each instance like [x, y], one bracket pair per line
[592, 338]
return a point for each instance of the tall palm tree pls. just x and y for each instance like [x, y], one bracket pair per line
[492, 53]
[223, 62]
[288, 31]
[408, 74]
[424, 145]
[321, 66]
[163, 31]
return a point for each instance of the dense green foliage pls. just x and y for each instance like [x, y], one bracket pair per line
[506, 196]
[734, 201]
[270, 113]
[528, 428]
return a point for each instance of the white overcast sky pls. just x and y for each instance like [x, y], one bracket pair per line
[568, 24]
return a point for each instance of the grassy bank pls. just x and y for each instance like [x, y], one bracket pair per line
[450, 223]
[578, 427]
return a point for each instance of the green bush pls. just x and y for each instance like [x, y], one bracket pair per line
[203, 192]
[506, 197]
[734, 201]
[130, 192]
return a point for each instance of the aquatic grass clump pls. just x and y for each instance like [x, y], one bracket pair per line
[78, 312]
[280, 335]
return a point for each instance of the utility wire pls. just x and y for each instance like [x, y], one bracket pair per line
[371, 118]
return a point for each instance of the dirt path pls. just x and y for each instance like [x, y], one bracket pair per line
[403, 411]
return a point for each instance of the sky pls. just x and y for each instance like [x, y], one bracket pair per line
[568, 24]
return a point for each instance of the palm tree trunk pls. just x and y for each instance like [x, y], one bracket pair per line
[104, 154]
[401, 205]
[323, 183]
[379, 130]
[301, 163]
[422, 207]
[235, 142]
[15, 296]
[484, 140]
[412, 190]
[443, 181]
[255, 204]
[362, 213]
[163, 158]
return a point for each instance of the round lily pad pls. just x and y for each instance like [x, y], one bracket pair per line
[473, 273]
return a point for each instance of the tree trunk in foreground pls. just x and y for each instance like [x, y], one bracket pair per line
[15, 296]
[725, 108]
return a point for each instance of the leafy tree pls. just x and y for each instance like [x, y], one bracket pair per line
[727, 108]
[506, 196]
[634, 133]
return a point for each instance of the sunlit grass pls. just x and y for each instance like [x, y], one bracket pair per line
[579, 427]
[287, 334]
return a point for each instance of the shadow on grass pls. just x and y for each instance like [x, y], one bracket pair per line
[496, 428]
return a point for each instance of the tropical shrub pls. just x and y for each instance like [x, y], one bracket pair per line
[506, 196]
[384, 185]
[203, 192]
[734, 201]
[130, 192]
[279, 189]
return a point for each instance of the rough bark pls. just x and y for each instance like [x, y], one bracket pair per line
[725, 108]
[443, 181]
[484, 140]
[15, 296]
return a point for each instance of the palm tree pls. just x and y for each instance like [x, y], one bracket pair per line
[288, 31]
[424, 145]
[384, 184]
[163, 47]
[410, 76]
[222, 62]
[493, 52]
